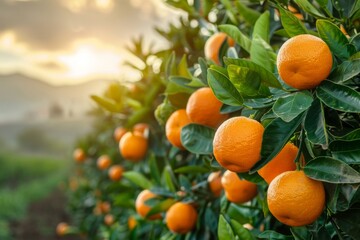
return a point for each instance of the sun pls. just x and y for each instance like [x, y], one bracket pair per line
[89, 61]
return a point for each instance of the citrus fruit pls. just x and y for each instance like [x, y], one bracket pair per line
[141, 129]
[304, 61]
[133, 147]
[141, 208]
[237, 190]
[174, 124]
[103, 162]
[284, 161]
[237, 143]
[214, 180]
[181, 218]
[119, 133]
[105, 207]
[109, 219]
[131, 222]
[296, 13]
[213, 45]
[295, 199]
[204, 108]
[116, 172]
[62, 228]
[79, 155]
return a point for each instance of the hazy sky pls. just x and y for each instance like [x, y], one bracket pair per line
[70, 41]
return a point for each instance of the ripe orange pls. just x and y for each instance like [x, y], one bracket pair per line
[237, 143]
[181, 218]
[133, 147]
[204, 108]
[104, 207]
[116, 172]
[141, 129]
[62, 228]
[237, 190]
[103, 162]
[296, 13]
[304, 61]
[174, 124]
[131, 222]
[141, 208]
[214, 180]
[79, 155]
[213, 45]
[119, 133]
[109, 219]
[295, 199]
[284, 161]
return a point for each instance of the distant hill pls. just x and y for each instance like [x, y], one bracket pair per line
[24, 97]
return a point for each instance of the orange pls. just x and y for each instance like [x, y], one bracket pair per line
[214, 180]
[213, 45]
[304, 61]
[284, 161]
[295, 12]
[204, 108]
[109, 219]
[295, 199]
[237, 190]
[116, 172]
[237, 143]
[133, 147]
[79, 155]
[181, 218]
[104, 207]
[103, 162]
[119, 133]
[141, 129]
[62, 228]
[132, 222]
[174, 124]
[141, 208]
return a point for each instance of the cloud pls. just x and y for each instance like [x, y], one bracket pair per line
[54, 24]
[52, 65]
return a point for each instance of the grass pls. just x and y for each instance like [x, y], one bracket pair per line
[23, 180]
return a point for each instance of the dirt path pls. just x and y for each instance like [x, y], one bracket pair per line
[42, 218]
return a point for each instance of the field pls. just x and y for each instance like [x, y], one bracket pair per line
[24, 181]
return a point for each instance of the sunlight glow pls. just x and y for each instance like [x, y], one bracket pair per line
[90, 61]
[104, 5]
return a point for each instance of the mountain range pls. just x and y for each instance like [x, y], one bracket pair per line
[23, 97]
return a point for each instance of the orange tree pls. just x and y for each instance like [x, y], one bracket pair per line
[282, 86]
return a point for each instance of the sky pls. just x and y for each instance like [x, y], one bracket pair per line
[72, 41]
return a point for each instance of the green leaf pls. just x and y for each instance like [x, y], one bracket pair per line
[240, 38]
[224, 229]
[269, 234]
[335, 39]
[241, 232]
[245, 80]
[354, 135]
[346, 151]
[223, 89]
[309, 8]
[249, 14]
[197, 138]
[169, 179]
[109, 105]
[315, 125]
[138, 179]
[170, 65]
[289, 107]
[262, 27]
[262, 54]
[300, 233]
[255, 178]
[267, 77]
[292, 25]
[191, 169]
[276, 135]
[154, 169]
[182, 69]
[203, 67]
[345, 71]
[327, 169]
[161, 207]
[339, 97]
[349, 222]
